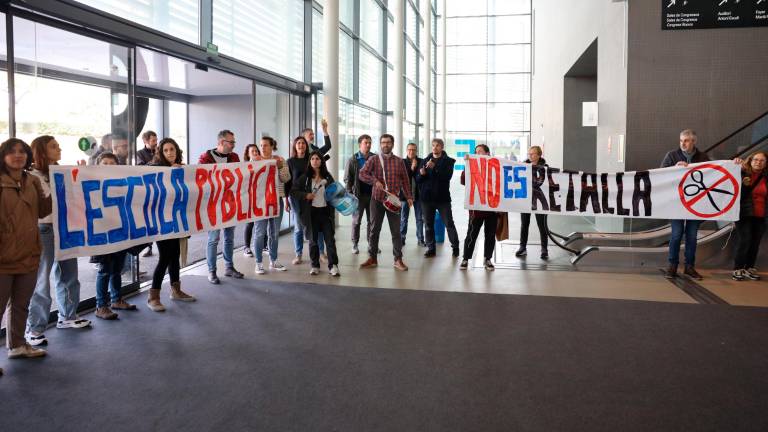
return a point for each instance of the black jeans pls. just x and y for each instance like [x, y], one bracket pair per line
[541, 221]
[489, 220]
[749, 233]
[363, 206]
[322, 223]
[170, 253]
[428, 211]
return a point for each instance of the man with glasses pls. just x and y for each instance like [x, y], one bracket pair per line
[223, 153]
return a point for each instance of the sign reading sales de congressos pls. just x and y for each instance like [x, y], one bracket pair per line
[104, 209]
[707, 191]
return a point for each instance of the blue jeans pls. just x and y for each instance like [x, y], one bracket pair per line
[213, 248]
[691, 229]
[404, 213]
[109, 279]
[270, 227]
[64, 279]
[298, 231]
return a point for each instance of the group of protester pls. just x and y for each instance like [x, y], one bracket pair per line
[385, 185]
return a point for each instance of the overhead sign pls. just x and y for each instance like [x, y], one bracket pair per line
[708, 14]
[103, 209]
[707, 191]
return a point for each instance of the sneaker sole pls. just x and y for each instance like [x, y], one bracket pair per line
[75, 326]
[44, 342]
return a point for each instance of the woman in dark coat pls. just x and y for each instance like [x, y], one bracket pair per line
[315, 213]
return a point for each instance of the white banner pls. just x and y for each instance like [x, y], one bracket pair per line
[103, 209]
[706, 191]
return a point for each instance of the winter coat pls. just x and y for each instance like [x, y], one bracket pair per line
[675, 156]
[21, 205]
[301, 187]
[435, 185]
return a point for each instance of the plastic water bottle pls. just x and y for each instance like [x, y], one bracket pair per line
[439, 228]
[338, 197]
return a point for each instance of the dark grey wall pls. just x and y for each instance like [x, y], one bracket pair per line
[579, 150]
[713, 81]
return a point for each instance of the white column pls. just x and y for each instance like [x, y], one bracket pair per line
[441, 77]
[398, 11]
[331, 81]
[426, 49]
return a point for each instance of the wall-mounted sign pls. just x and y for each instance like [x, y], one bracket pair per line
[707, 14]
[589, 114]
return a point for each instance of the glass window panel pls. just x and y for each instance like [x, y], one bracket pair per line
[275, 44]
[178, 18]
[347, 13]
[346, 52]
[371, 70]
[177, 126]
[371, 16]
[390, 89]
[465, 8]
[507, 7]
[409, 133]
[410, 102]
[466, 31]
[153, 121]
[467, 117]
[509, 58]
[509, 29]
[466, 59]
[465, 88]
[390, 40]
[411, 57]
[411, 22]
[509, 88]
[509, 117]
[4, 125]
[317, 46]
[509, 145]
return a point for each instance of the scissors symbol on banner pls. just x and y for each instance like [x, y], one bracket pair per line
[698, 186]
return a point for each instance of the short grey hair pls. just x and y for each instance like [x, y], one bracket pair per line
[223, 134]
[690, 133]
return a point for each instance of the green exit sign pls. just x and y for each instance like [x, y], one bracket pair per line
[212, 49]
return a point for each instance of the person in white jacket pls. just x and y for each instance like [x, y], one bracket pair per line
[270, 226]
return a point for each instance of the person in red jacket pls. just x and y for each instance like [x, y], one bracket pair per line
[223, 153]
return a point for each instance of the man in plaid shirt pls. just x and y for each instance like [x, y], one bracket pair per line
[396, 179]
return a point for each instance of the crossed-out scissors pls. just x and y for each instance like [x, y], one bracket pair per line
[698, 184]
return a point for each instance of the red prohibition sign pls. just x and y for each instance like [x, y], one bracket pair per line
[704, 190]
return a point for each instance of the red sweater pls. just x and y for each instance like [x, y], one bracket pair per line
[759, 192]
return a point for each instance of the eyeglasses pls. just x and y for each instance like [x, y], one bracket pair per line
[228, 141]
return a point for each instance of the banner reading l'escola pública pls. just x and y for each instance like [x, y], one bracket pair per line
[103, 209]
[704, 191]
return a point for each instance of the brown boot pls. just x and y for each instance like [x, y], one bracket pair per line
[153, 301]
[123, 305]
[105, 313]
[178, 294]
[370, 263]
[400, 265]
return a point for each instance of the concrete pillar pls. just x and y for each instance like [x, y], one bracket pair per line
[331, 81]
[398, 12]
[426, 49]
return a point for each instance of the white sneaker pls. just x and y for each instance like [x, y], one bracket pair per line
[335, 271]
[25, 351]
[314, 271]
[751, 273]
[36, 340]
[74, 323]
[259, 269]
[297, 260]
[275, 265]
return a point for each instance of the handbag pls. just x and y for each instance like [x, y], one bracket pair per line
[391, 201]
